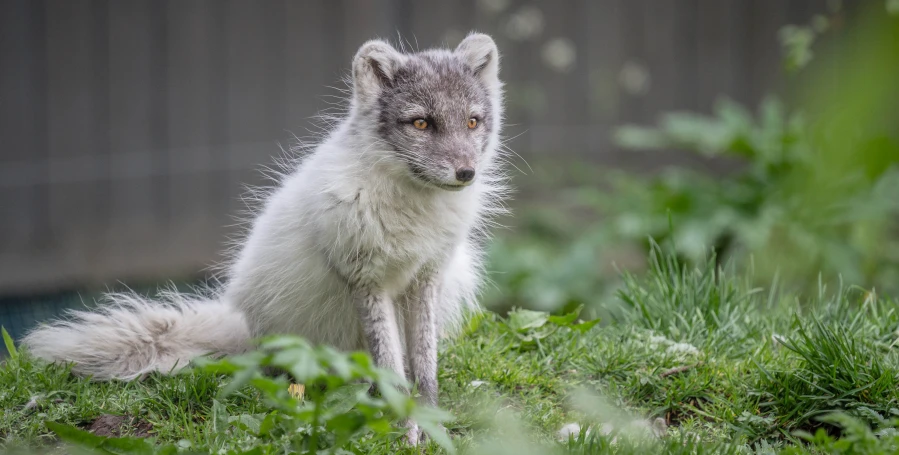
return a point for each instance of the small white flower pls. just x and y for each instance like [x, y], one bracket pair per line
[656, 427]
[654, 339]
[777, 339]
[682, 348]
[568, 430]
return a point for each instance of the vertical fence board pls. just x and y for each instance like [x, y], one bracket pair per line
[604, 58]
[717, 35]
[24, 211]
[763, 55]
[191, 157]
[76, 60]
[218, 82]
[313, 72]
[563, 85]
[137, 136]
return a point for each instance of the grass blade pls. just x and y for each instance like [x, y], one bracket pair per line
[10, 346]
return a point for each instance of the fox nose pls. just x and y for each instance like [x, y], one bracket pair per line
[464, 174]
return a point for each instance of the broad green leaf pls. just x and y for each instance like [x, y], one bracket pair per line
[397, 400]
[238, 381]
[302, 363]
[273, 387]
[71, 434]
[268, 423]
[342, 399]
[219, 418]
[127, 446]
[247, 422]
[522, 320]
[585, 326]
[345, 426]
[566, 319]
[430, 420]
[338, 361]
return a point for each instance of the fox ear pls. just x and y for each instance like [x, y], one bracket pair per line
[374, 67]
[479, 52]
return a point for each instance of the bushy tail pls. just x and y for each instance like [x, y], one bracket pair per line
[131, 335]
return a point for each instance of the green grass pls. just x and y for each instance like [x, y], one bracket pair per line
[727, 367]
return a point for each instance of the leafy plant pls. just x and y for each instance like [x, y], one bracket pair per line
[699, 211]
[337, 413]
[813, 187]
[530, 327]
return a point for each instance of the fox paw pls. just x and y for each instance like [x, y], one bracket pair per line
[414, 434]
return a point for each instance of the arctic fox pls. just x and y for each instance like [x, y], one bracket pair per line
[371, 242]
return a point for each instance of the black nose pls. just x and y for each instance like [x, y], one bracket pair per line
[464, 174]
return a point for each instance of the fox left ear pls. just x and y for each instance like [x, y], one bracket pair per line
[480, 53]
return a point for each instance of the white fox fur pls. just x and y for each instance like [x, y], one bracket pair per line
[347, 241]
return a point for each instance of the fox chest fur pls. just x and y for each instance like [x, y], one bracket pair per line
[388, 235]
[323, 235]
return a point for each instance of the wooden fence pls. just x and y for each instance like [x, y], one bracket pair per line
[129, 127]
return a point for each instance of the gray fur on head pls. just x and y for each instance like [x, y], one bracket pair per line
[446, 89]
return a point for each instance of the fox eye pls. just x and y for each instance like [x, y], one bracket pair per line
[472, 123]
[420, 123]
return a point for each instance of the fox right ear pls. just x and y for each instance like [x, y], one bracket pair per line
[374, 67]
[479, 52]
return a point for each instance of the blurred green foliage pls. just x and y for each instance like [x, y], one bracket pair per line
[816, 190]
[798, 204]
[812, 186]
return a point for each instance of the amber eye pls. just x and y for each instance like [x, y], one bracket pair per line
[420, 123]
[472, 123]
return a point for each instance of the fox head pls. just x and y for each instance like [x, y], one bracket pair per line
[435, 115]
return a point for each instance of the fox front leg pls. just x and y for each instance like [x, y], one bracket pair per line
[421, 338]
[421, 343]
[379, 326]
